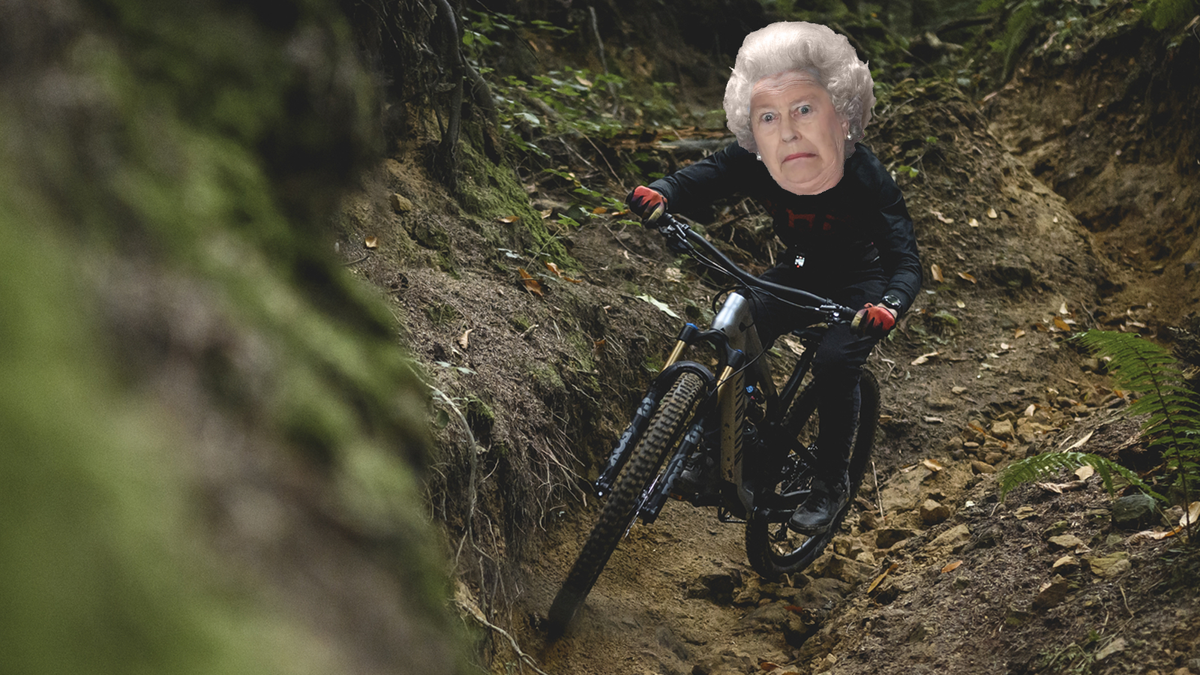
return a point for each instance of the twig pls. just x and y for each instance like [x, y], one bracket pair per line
[1126, 600]
[878, 497]
[355, 262]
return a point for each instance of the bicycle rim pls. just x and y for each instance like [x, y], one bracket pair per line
[675, 413]
[773, 549]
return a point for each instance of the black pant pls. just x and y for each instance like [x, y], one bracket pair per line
[840, 355]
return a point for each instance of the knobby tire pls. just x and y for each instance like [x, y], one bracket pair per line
[675, 413]
[771, 563]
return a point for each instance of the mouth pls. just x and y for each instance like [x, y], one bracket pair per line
[799, 155]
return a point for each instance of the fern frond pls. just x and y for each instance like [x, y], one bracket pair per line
[1038, 466]
[1172, 409]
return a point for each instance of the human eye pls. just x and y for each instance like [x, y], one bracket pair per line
[803, 109]
[767, 117]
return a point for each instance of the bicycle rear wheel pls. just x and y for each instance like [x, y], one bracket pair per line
[773, 549]
[676, 412]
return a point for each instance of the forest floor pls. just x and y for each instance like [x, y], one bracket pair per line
[933, 572]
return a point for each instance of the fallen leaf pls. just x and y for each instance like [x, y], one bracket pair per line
[1193, 515]
[508, 219]
[923, 358]
[547, 213]
[463, 339]
[553, 268]
[531, 284]
[960, 304]
[673, 274]
[598, 346]
[992, 214]
[1084, 472]
[1003, 346]
[933, 420]
[941, 218]
[370, 242]
[599, 211]
[659, 304]
[582, 80]
[767, 666]
[951, 567]
[968, 277]
[932, 465]
[935, 271]
[973, 223]
[1030, 410]
[1061, 325]
[1079, 443]
[1063, 309]
[1019, 333]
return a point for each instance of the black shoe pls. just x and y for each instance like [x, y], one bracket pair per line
[699, 477]
[817, 512]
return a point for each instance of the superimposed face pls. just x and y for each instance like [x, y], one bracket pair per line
[800, 136]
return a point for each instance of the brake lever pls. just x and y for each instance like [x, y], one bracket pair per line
[673, 232]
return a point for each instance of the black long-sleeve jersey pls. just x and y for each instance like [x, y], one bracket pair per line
[859, 223]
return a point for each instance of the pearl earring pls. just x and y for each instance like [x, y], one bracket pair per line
[758, 156]
[849, 136]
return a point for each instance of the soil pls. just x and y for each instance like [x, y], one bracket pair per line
[933, 571]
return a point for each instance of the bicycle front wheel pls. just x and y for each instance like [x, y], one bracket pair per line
[773, 549]
[676, 412]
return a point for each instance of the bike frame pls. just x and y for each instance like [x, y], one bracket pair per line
[740, 360]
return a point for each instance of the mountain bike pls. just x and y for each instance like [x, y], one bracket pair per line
[758, 441]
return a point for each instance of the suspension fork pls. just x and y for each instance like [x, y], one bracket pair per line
[690, 334]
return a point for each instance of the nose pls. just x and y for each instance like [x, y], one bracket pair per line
[791, 130]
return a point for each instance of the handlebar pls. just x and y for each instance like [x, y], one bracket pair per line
[682, 238]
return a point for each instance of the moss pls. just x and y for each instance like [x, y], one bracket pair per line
[520, 323]
[547, 377]
[491, 191]
[201, 148]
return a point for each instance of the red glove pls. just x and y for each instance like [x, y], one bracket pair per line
[646, 203]
[874, 320]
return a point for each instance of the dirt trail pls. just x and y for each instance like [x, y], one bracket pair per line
[979, 373]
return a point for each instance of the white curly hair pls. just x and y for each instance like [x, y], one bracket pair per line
[799, 45]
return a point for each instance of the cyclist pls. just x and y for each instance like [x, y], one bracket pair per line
[798, 101]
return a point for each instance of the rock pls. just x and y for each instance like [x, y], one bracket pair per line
[1117, 645]
[903, 491]
[982, 467]
[1065, 541]
[1003, 430]
[868, 521]
[1133, 512]
[1057, 528]
[715, 587]
[1110, 565]
[933, 513]
[993, 458]
[400, 203]
[1052, 593]
[889, 537]
[1066, 565]
[958, 390]
[955, 538]
[843, 569]
[848, 546]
